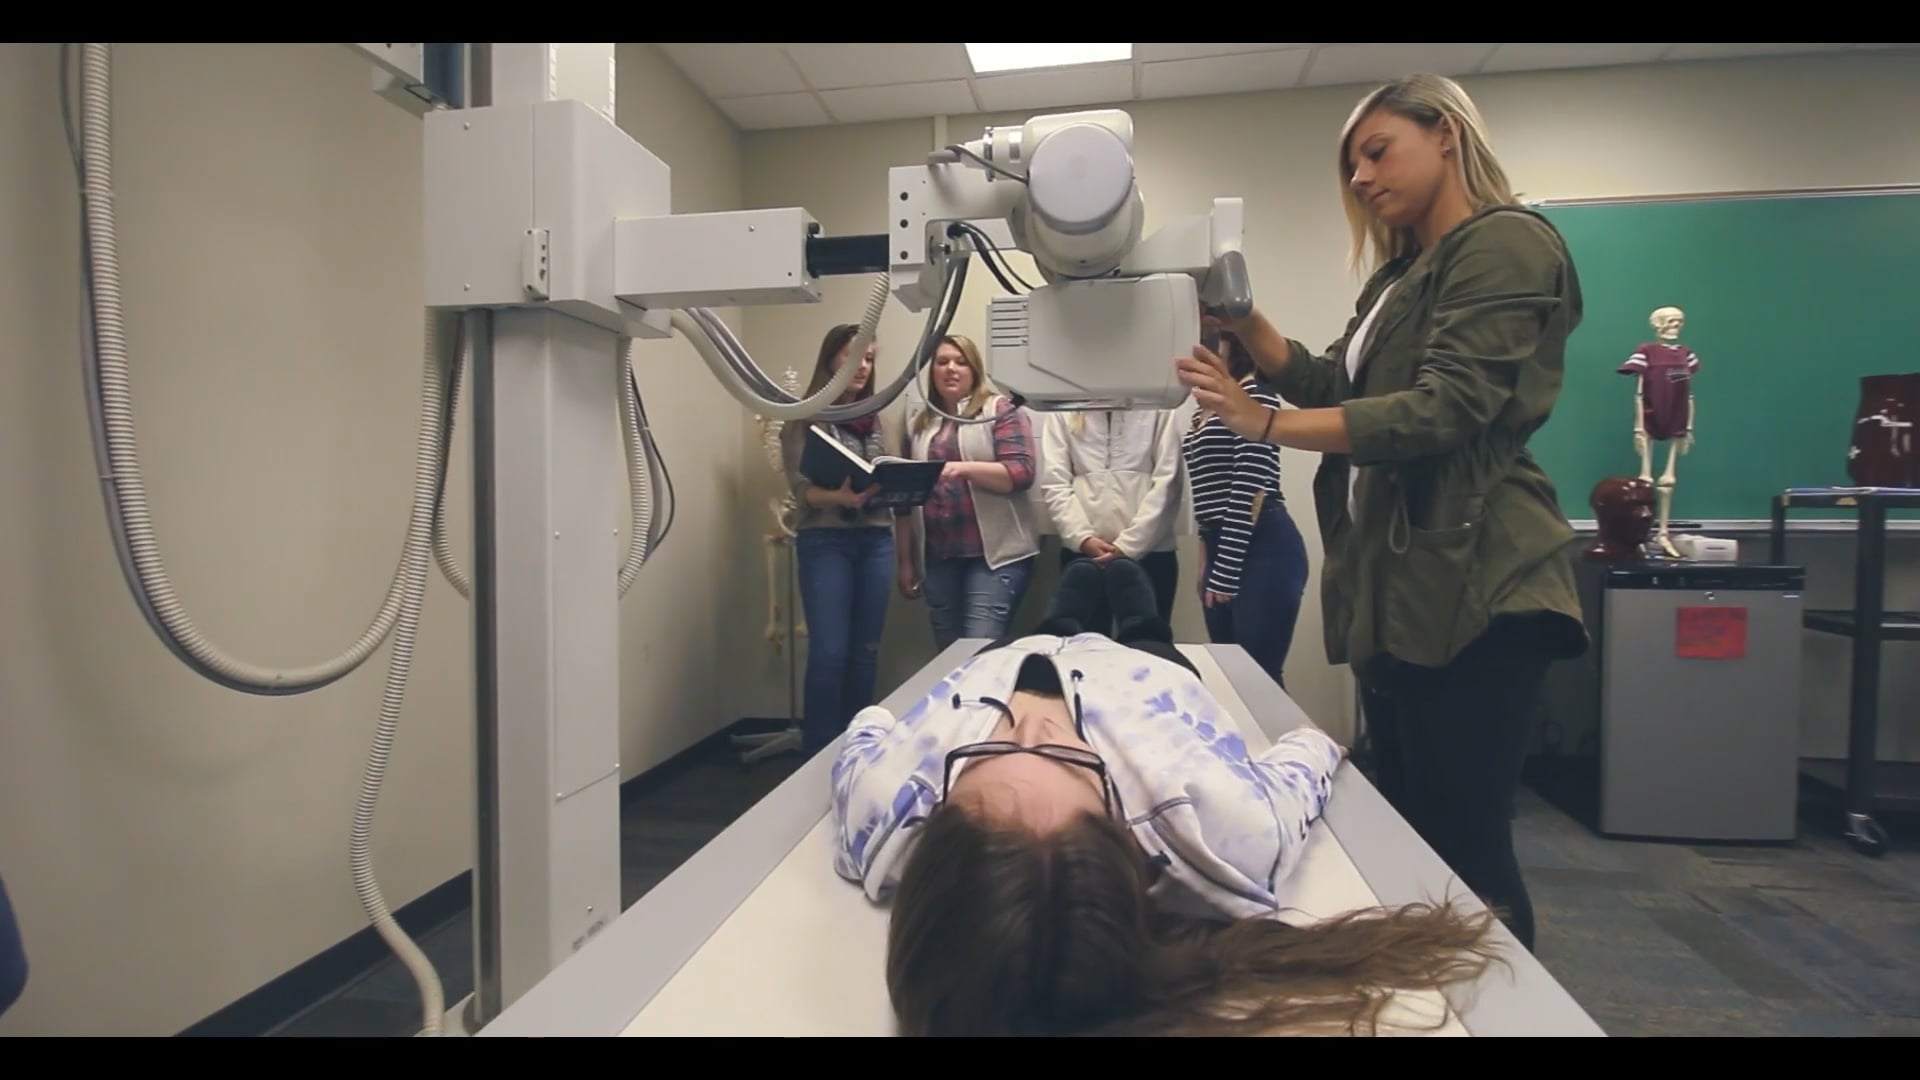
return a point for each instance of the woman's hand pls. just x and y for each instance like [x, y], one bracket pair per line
[845, 496]
[1220, 393]
[1220, 320]
[907, 576]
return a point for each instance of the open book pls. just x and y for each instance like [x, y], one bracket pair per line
[826, 462]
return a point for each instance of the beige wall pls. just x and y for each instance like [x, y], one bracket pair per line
[1797, 122]
[170, 845]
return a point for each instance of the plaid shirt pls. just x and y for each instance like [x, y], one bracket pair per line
[952, 530]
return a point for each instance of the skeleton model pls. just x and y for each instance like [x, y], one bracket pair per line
[1663, 407]
[785, 514]
[782, 619]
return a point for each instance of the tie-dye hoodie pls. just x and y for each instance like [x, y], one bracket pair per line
[1226, 826]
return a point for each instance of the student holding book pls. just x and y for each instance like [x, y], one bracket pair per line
[846, 555]
[977, 537]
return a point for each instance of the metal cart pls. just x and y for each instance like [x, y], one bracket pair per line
[1863, 783]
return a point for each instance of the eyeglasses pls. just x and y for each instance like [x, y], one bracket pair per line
[1067, 755]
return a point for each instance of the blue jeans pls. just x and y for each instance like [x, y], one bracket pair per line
[1273, 578]
[13, 955]
[846, 576]
[965, 599]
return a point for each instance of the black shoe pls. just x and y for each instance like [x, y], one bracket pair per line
[1130, 594]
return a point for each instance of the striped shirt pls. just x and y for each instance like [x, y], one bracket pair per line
[1227, 472]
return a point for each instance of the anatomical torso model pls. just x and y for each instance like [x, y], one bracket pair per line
[1883, 453]
[1663, 407]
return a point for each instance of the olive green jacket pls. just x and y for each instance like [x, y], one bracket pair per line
[1456, 523]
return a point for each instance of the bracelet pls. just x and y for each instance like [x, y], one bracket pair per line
[1268, 430]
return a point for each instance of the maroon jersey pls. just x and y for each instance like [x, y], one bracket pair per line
[1666, 382]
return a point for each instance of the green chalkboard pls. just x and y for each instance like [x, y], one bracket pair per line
[1790, 299]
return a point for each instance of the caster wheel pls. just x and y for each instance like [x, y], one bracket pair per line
[1866, 835]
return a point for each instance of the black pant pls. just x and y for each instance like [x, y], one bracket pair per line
[1448, 745]
[1163, 571]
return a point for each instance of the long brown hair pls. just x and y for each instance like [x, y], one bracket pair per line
[831, 345]
[999, 931]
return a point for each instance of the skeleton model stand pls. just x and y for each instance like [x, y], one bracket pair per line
[1663, 372]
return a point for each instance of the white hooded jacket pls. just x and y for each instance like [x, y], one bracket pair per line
[1119, 476]
[1226, 827]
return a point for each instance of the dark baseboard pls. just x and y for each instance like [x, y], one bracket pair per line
[285, 998]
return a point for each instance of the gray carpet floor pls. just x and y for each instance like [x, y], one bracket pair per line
[1653, 939]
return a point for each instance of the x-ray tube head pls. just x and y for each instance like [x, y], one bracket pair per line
[1083, 211]
[1108, 343]
[1116, 306]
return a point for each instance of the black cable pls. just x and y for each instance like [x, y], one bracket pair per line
[654, 459]
[985, 164]
[991, 254]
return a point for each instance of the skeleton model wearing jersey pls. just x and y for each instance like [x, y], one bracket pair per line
[1663, 370]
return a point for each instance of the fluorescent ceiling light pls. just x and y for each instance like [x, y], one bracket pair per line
[1020, 55]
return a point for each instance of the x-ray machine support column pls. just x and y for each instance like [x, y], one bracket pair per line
[546, 445]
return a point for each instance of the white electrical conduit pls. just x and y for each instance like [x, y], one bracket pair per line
[728, 359]
[711, 351]
[399, 613]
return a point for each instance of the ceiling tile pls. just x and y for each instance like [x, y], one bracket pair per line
[1223, 74]
[763, 84]
[1055, 89]
[774, 111]
[833, 66]
[724, 70]
[1721, 50]
[1160, 51]
[1544, 56]
[1335, 65]
[901, 102]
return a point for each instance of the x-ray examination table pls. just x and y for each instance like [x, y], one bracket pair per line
[756, 935]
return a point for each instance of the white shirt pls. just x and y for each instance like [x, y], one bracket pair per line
[1357, 347]
[1115, 475]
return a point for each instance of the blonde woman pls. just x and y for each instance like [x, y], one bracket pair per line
[974, 541]
[1113, 484]
[1446, 585]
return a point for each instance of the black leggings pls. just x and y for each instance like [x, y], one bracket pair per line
[1448, 745]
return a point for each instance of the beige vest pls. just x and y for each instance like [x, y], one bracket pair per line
[1008, 532]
